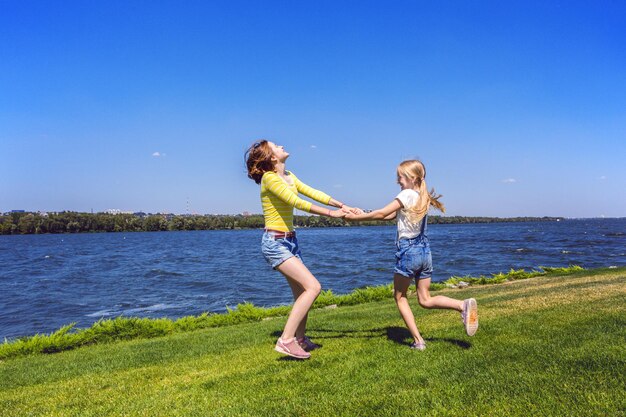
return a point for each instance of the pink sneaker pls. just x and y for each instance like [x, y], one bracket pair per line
[470, 316]
[307, 344]
[291, 348]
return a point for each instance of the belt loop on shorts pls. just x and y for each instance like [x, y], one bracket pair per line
[277, 234]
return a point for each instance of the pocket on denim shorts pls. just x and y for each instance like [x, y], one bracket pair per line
[276, 251]
[414, 258]
[413, 261]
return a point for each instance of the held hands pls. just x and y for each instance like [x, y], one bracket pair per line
[352, 216]
[354, 210]
[343, 211]
[361, 215]
[337, 214]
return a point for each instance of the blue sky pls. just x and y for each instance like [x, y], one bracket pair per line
[516, 109]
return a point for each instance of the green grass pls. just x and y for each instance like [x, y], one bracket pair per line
[546, 346]
[128, 328]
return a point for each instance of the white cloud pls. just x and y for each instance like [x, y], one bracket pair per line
[509, 180]
[313, 146]
[158, 154]
[603, 177]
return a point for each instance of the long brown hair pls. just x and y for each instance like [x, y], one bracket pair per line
[416, 172]
[259, 160]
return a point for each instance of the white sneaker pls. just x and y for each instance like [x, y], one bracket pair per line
[470, 316]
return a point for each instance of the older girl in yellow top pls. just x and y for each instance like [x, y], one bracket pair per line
[413, 257]
[279, 195]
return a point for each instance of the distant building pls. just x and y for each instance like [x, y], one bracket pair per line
[117, 211]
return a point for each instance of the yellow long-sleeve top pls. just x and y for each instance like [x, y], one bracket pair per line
[279, 198]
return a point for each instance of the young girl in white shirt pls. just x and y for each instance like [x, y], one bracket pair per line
[413, 257]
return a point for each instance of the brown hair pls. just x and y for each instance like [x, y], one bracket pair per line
[416, 172]
[259, 160]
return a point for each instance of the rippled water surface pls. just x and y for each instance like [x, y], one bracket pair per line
[51, 280]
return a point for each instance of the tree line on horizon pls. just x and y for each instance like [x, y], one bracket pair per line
[73, 222]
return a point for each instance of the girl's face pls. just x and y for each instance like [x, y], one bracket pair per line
[278, 151]
[405, 182]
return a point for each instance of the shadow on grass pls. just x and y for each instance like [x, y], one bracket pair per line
[339, 334]
[399, 335]
[290, 359]
[402, 336]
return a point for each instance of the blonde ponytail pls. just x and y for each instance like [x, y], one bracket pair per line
[415, 170]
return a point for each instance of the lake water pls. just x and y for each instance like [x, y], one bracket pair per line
[47, 281]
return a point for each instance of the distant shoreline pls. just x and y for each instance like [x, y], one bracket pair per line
[24, 223]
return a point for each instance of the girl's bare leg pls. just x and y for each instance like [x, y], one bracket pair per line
[400, 286]
[438, 301]
[299, 275]
[297, 290]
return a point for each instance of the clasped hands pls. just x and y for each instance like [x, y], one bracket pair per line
[345, 212]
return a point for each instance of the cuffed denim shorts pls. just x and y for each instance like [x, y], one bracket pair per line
[278, 250]
[413, 258]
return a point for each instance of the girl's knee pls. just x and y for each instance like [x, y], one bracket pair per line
[315, 288]
[425, 302]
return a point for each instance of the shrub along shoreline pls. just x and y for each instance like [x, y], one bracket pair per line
[21, 223]
[128, 328]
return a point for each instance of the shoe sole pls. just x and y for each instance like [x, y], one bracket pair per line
[471, 325]
[284, 352]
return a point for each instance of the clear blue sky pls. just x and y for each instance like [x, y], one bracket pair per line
[516, 109]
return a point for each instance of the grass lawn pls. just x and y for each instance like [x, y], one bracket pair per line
[546, 346]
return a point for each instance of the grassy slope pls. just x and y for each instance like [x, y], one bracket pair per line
[546, 346]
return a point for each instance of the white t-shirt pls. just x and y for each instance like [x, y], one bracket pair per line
[406, 229]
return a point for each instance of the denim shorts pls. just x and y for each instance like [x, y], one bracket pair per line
[413, 258]
[278, 250]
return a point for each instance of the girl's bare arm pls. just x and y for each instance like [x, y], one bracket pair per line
[386, 213]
